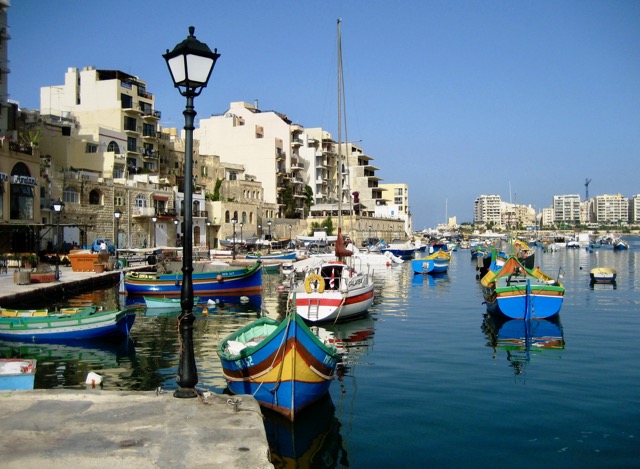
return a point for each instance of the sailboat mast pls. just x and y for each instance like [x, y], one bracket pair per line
[340, 83]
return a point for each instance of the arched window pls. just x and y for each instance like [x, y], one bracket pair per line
[21, 201]
[226, 217]
[114, 147]
[94, 197]
[196, 208]
[141, 201]
[70, 195]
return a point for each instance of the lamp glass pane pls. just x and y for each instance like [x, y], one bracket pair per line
[199, 68]
[176, 65]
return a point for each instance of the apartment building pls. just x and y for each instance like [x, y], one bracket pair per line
[268, 144]
[102, 142]
[566, 209]
[487, 209]
[611, 209]
[634, 209]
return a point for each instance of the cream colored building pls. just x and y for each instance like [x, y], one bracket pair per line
[611, 209]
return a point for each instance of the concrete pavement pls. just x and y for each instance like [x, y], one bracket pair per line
[88, 429]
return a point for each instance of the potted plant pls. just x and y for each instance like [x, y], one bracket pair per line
[98, 267]
[29, 260]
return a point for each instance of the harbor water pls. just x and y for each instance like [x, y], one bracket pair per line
[428, 378]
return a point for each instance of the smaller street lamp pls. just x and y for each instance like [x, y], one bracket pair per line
[117, 214]
[290, 240]
[58, 207]
[241, 225]
[233, 222]
[175, 222]
[208, 245]
[154, 219]
[269, 225]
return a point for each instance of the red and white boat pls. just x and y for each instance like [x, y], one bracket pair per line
[333, 290]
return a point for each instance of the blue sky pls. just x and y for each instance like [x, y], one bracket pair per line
[524, 99]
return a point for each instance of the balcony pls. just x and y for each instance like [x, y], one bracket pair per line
[152, 115]
[143, 211]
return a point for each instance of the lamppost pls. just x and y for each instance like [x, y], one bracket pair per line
[290, 240]
[154, 219]
[58, 207]
[241, 225]
[190, 64]
[233, 222]
[176, 222]
[269, 225]
[208, 245]
[117, 214]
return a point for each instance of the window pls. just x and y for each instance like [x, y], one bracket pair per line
[127, 101]
[94, 197]
[132, 144]
[91, 148]
[148, 130]
[114, 147]
[233, 176]
[118, 201]
[129, 123]
[141, 201]
[70, 195]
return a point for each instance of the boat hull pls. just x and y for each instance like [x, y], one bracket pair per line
[229, 281]
[68, 327]
[436, 263]
[603, 275]
[287, 371]
[520, 293]
[17, 374]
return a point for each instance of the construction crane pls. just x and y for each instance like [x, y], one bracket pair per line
[586, 185]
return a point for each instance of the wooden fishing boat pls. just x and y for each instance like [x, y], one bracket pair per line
[154, 302]
[435, 263]
[282, 364]
[521, 293]
[620, 245]
[603, 275]
[241, 280]
[289, 255]
[17, 374]
[67, 323]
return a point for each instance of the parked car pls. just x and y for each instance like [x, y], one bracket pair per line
[95, 247]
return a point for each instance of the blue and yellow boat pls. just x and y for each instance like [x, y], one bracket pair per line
[282, 364]
[436, 263]
[521, 293]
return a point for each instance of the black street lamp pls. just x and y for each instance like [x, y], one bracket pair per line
[208, 244]
[154, 219]
[269, 225]
[190, 64]
[117, 214]
[176, 222]
[290, 240]
[233, 222]
[241, 225]
[58, 207]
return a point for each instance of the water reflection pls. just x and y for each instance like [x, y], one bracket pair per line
[351, 338]
[520, 339]
[66, 364]
[313, 440]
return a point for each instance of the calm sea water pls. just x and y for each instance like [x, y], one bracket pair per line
[429, 379]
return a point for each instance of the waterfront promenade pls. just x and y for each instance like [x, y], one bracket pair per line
[88, 427]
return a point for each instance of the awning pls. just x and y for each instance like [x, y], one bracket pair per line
[160, 197]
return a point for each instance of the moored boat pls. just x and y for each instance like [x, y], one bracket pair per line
[620, 244]
[603, 275]
[282, 364]
[228, 280]
[333, 290]
[17, 374]
[67, 323]
[520, 293]
[435, 263]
